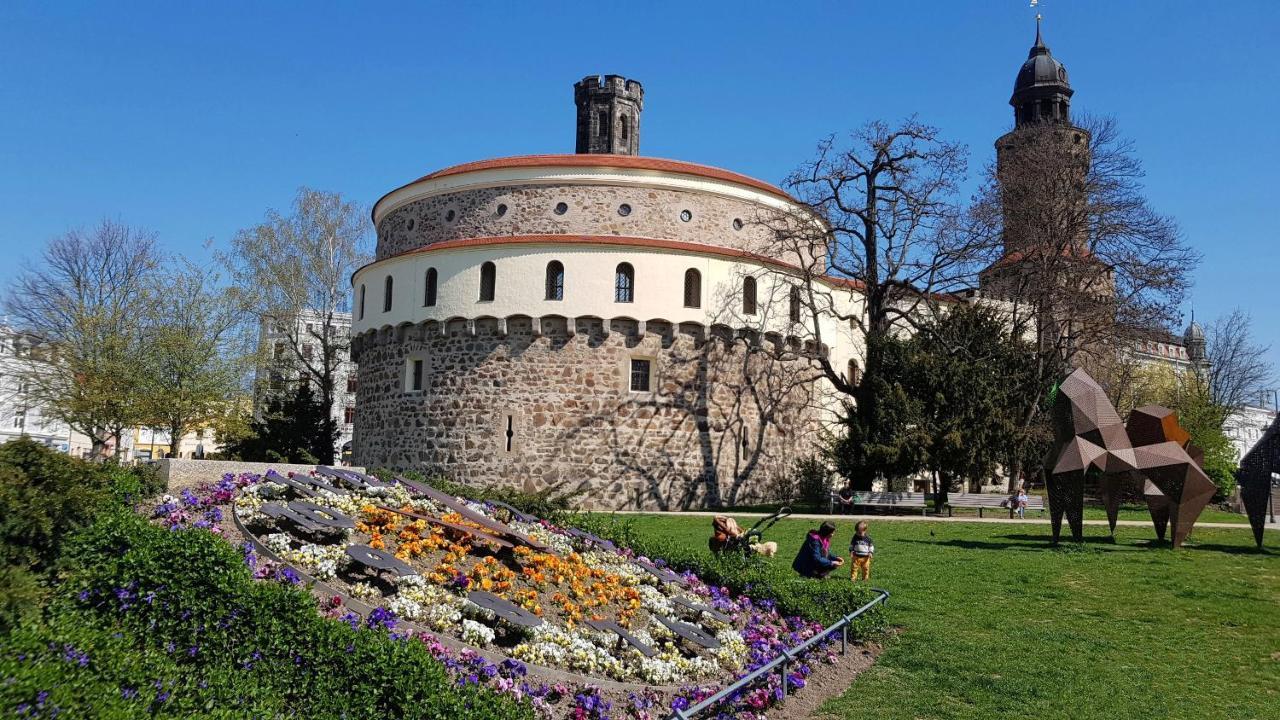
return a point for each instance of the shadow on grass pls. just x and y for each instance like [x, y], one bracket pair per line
[1042, 542]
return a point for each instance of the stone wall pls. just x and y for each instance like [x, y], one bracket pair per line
[181, 474]
[724, 420]
[589, 210]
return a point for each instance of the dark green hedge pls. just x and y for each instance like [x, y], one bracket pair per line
[824, 602]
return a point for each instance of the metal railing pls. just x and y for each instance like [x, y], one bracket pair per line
[783, 662]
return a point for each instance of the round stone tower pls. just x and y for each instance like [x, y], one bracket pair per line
[608, 114]
[603, 324]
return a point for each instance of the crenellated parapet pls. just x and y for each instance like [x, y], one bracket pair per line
[587, 326]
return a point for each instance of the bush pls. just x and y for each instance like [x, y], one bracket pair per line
[813, 480]
[171, 623]
[44, 496]
[824, 602]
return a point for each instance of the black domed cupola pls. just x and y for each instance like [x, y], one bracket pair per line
[1041, 93]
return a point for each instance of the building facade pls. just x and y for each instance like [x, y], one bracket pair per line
[601, 323]
[22, 415]
[280, 368]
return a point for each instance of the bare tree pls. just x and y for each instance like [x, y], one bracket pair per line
[85, 302]
[887, 237]
[1088, 266]
[879, 239]
[1237, 369]
[194, 359]
[290, 267]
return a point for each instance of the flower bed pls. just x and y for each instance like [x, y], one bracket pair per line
[568, 584]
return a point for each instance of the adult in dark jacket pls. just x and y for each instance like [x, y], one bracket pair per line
[815, 559]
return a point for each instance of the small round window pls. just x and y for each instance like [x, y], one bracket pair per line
[686, 216]
[449, 216]
[624, 209]
[502, 209]
[561, 208]
[411, 223]
[737, 223]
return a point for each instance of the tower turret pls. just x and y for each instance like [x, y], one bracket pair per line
[608, 114]
[1041, 92]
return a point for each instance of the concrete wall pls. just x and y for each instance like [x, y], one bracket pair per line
[181, 474]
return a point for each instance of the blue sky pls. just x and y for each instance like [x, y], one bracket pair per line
[193, 121]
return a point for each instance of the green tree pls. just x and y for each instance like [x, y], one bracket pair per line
[294, 428]
[884, 436]
[192, 363]
[82, 309]
[300, 264]
[969, 381]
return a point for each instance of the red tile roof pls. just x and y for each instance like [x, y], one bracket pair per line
[603, 160]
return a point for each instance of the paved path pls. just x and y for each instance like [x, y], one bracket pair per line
[1242, 525]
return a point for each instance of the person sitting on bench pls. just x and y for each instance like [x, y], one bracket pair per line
[815, 559]
[846, 496]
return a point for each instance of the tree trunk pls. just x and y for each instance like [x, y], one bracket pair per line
[175, 439]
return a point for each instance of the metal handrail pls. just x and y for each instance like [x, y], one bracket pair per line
[784, 660]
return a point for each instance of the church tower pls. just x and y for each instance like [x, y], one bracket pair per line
[1041, 92]
[608, 114]
[1044, 161]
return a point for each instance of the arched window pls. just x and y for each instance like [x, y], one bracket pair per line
[624, 286]
[429, 293]
[361, 302]
[555, 280]
[748, 295]
[692, 288]
[386, 294]
[855, 375]
[795, 304]
[488, 281]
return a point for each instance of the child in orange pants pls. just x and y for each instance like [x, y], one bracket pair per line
[861, 548]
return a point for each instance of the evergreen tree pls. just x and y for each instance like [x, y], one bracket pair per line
[295, 428]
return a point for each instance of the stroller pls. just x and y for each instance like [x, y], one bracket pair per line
[727, 536]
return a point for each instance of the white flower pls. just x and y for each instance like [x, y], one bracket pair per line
[365, 591]
[473, 633]
[278, 543]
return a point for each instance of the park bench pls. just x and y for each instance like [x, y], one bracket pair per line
[910, 500]
[989, 501]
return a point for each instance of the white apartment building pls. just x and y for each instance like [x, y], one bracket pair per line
[273, 377]
[20, 414]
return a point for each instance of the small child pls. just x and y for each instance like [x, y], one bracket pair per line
[862, 549]
[1020, 503]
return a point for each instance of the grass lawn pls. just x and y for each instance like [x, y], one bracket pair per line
[998, 624]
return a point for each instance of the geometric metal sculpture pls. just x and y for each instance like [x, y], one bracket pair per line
[1185, 487]
[1152, 447]
[1090, 436]
[1255, 478]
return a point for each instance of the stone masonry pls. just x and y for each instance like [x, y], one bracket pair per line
[589, 210]
[554, 410]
